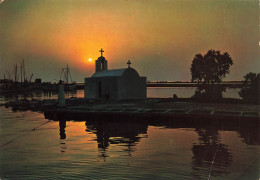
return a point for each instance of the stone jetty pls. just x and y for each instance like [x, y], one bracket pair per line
[148, 109]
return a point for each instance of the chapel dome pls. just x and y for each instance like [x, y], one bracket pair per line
[102, 58]
[117, 73]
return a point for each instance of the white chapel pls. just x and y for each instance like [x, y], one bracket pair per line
[115, 84]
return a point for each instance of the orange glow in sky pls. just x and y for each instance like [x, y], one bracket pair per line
[159, 37]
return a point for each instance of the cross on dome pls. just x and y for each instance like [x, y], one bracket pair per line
[129, 63]
[101, 52]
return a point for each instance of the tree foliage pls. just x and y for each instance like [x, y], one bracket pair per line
[250, 90]
[208, 71]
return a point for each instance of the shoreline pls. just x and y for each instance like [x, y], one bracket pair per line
[150, 109]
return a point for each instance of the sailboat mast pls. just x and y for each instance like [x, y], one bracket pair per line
[67, 74]
[15, 73]
[23, 71]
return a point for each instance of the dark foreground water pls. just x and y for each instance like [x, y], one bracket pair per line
[34, 148]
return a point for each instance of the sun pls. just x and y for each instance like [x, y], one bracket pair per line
[90, 59]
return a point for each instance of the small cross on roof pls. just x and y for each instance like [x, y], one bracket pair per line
[129, 63]
[101, 52]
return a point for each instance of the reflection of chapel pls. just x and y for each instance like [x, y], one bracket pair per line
[116, 84]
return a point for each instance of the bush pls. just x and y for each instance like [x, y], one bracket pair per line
[209, 92]
[250, 90]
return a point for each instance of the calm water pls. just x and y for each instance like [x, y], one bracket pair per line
[125, 150]
[185, 92]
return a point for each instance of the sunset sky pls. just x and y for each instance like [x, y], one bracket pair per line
[160, 37]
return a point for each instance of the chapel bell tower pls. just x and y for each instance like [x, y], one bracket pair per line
[101, 62]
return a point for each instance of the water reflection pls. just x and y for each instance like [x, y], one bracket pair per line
[62, 125]
[250, 136]
[208, 150]
[39, 95]
[126, 134]
[170, 152]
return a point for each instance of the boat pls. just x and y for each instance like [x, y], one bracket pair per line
[8, 85]
[66, 79]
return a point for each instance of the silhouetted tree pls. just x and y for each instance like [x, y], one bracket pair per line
[250, 90]
[208, 71]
